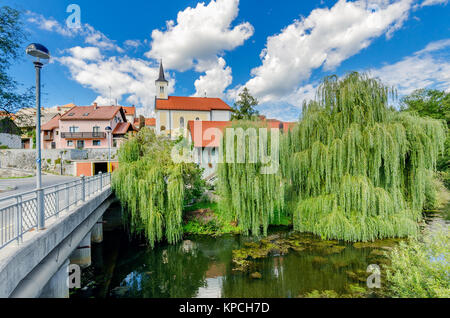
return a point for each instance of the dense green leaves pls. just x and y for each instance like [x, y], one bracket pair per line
[152, 188]
[352, 169]
[244, 108]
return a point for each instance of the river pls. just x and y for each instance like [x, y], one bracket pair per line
[203, 266]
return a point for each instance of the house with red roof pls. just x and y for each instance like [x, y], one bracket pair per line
[85, 127]
[148, 122]
[174, 112]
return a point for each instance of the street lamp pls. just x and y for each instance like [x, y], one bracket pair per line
[42, 55]
[61, 163]
[109, 130]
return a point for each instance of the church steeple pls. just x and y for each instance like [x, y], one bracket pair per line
[161, 84]
[161, 77]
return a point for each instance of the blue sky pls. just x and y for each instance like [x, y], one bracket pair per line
[278, 49]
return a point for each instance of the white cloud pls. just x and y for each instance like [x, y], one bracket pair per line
[325, 38]
[91, 35]
[132, 43]
[433, 2]
[216, 79]
[199, 34]
[124, 77]
[424, 69]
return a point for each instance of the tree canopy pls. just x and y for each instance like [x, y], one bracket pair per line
[154, 189]
[244, 108]
[353, 168]
[12, 37]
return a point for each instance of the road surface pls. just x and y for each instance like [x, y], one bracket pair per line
[29, 184]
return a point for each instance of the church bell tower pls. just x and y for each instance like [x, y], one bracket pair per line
[161, 84]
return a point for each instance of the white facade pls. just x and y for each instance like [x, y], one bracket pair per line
[220, 115]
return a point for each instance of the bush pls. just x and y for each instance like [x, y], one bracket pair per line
[421, 269]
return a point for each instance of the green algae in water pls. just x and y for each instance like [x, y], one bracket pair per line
[288, 265]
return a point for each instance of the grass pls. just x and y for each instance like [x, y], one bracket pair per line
[23, 177]
[216, 226]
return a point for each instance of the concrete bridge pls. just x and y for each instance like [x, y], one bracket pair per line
[35, 263]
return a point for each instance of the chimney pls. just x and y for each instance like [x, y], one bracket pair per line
[95, 106]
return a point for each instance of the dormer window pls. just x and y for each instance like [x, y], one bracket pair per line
[71, 114]
[86, 114]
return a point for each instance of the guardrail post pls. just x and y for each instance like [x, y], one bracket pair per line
[101, 181]
[40, 209]
[83, 188]
[19, 220]
[57, 201]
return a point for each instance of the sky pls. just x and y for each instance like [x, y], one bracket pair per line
[280, 50]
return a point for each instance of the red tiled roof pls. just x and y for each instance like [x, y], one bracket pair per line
[148, 121]
[52, 123]
[90, 113]
[211, 132]
[192, 103]
[129, 110]
[282, 125]
[123, 128]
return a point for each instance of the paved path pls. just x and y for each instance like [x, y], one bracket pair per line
[29, 184]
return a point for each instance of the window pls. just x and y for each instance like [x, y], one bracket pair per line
[181, 122]
[73, 129]
[114, 143]
[53, 145]
[80, 144]
[95, 131]
[163, 128]
[71, 114]
[161, 89]
[57, 132]
[86, 114]
[69, 143]
[95, 142]
[197, 119]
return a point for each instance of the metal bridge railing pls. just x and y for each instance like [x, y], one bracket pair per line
[18, 213]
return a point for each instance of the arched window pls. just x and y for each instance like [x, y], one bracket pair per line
[163, 128]
[197, 119]
[181, 122]
[161, 89]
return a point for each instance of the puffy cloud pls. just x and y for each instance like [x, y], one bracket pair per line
[216, 79]
[427, 68]
[124, 77]
[325, 38]
[199, 34]
[433, 2]
[90, 34]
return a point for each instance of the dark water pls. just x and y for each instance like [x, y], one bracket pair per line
[202, 266]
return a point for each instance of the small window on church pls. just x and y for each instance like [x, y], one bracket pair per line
[197, 119]
[161, 89]
[181, 122]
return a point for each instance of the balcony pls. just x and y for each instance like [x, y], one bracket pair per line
[48, 137]
[83, 135]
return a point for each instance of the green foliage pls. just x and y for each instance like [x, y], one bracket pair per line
[352, 169]
[434, 104]
[12, 36]
[253, 199]
[421, 269]
[153, 189]
[244, 108]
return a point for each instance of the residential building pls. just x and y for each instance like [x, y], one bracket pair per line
[174, 112]
[148, 122]
[130, 113]
[25, 119]
[85, 127]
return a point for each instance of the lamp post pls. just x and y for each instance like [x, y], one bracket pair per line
[109, 130]
[41, 55]
[61, 163]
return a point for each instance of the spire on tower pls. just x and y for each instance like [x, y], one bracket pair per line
[161, 77]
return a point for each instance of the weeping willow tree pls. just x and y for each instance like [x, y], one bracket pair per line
[250, 181]
[353, 168]
[152, 188]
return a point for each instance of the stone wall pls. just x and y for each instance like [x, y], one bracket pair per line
[12, 141]
[25, 159]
